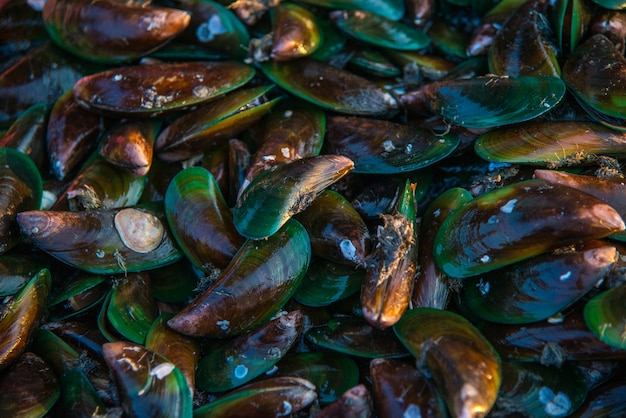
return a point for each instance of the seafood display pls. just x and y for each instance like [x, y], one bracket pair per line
[312, 208]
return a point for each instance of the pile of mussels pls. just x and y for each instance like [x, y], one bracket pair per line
[324, 208]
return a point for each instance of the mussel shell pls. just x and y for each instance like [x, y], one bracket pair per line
[28, 135]
[78, 396]
[78, 296]
[517, 222]
[149, 384]
[16, 270]
[294, 32]
[457, 356]
[274, 196]
[130, 146]
[326, 282]
[131, 309]
[104, 241]
[263, 273]
[392, 9]
[29, 388]
[485, 102]
[149, 90]
[606, 400]
[23, 317]
[85, 28]
[538, 288]
[20, 190]
[605, 316]
[382, 147]
[331, 87]
[200, 220]
[354, 402]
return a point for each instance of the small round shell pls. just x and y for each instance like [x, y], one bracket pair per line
[140, 231]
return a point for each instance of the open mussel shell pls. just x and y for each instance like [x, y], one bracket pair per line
[380, 31]
[517, 222]
[275, 195]
[276, 396]
[200, 219]
[29, 388]
[149, 90]
[104, 241]
[149, 384]
[85, 28]
[337, 231]
[263, 273]
[538, 288]
[326, 282]
[401, 390]
[463, 364]
[541, 391]
[550, 143]
[489, 101]
[382, 147]
[295, 32]
[211, 126]
[331, 88]
[20, 190]
[594, 72]
[605, 316]
[332, 373]
[247, 356]
[22, 318]
[132, 309]
[356, 337]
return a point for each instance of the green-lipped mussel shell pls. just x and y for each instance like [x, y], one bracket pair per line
[517, 222]
[130, 145]
[392, 9]
[101, 185]
[294, 32]
[326, 282]
[175, 282]
[84, 29]
[538, 288]
[400, 389]
[58, 354]
[550, 142]
[16, 270]
[524, 46]
[200, 220]
[211, 126]
[605, 316]
[148, 90]
[565, 338]
[238, 361]
[431, 289]
[594, 72]
[149, 384]
[29, 388]
[275, 195]
[570, 20]
[482, 37]
[23, 316]
[485, 102]
[78, 396]
[356, 401]
[337, 231]
[464, 366]
[78, 296]
[449, 40]
[72, 134]
[104, 241]
[368, 61]
[276, 396]
[356, 337]
[20, 190]
[132, 309]
[182, 351]
[430, 66]
[263, 273]
[216, 28]
[611, 4]
[331, 87]
[294, 129]
[379, 31]
[332, 373]
[27, 134]
[382, 147]
[540, 390]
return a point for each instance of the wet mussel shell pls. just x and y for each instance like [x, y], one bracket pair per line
[605, 316]
[264, 273]
[149, 90]
[149, 384]
[457, 356]
[295, 32]
[326, 282]
[517, 222]
[382, 147]
[78, 296]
